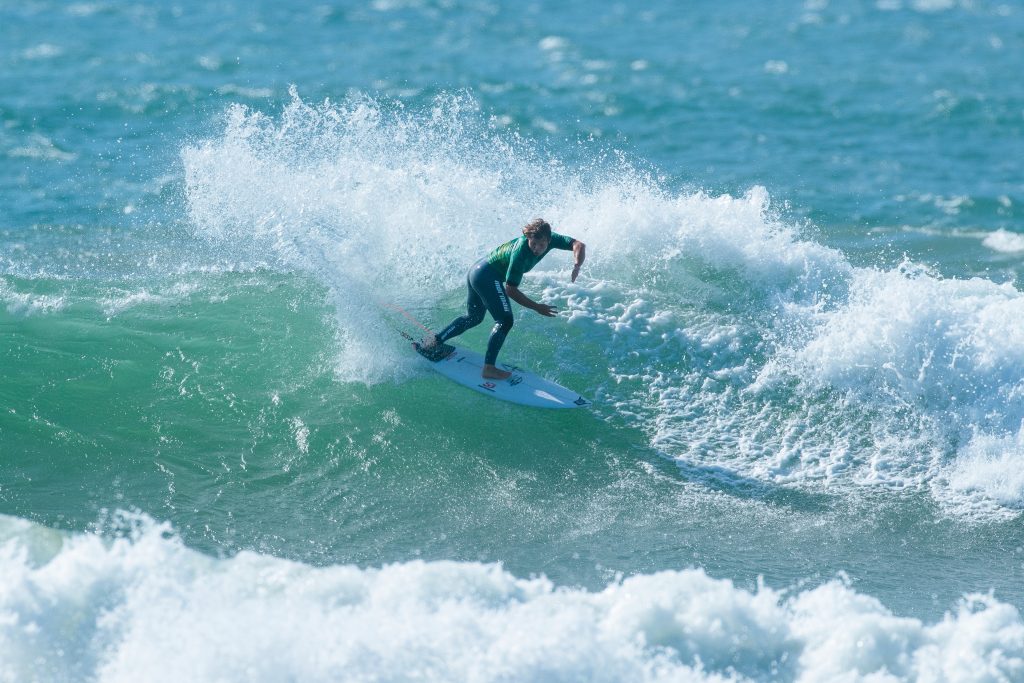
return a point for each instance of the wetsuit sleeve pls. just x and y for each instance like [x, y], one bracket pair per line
[561, 241]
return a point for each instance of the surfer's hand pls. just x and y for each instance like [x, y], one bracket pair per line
[545, 310]
[575, 272]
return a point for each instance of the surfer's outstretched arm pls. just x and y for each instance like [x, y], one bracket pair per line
[579, 254]
[516, 295]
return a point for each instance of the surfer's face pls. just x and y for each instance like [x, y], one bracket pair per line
[538, 245]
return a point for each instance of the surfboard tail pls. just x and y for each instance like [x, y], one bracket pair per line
[435, 353]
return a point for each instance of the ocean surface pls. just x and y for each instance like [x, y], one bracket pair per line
[801, 321]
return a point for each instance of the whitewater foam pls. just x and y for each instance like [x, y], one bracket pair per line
[923, 339]
[946, 351]
[139, 605]
[992, 465]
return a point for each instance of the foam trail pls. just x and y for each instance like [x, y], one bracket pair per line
[143, 606]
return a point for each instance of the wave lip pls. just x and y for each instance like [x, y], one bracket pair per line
[142, 606]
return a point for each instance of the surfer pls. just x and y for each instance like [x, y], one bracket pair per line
[495, 279]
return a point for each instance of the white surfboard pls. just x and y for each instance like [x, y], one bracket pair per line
[523, 387]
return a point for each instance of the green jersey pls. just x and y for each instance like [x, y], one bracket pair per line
[514, 258]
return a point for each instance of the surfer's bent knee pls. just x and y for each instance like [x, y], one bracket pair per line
[504, 323]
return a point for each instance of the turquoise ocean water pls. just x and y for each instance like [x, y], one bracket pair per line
[801, 321]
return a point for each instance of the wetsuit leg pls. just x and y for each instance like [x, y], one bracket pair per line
[492, 291]
[474, 312]
[486, 292]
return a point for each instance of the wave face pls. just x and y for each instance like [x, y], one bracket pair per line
[138, 604]
[730, 337]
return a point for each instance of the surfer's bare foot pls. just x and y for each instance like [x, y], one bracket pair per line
[429, 342]
[491, 372]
